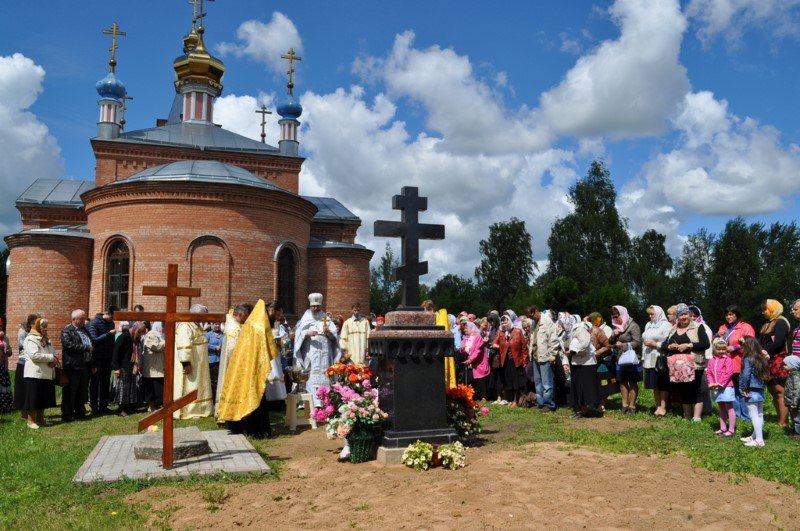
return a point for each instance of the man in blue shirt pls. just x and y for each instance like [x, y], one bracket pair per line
[214, 337]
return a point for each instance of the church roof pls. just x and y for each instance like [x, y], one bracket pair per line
[208, 171]
[55, 192]
[196, 135]
[329, 209]
[318, 243]
[79, 231]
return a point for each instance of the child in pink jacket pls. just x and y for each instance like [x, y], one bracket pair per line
[719, 374]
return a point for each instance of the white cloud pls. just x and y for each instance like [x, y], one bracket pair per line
[238, 114]
[627, 87]
[27, 150]
[732, 18]
[265, 43]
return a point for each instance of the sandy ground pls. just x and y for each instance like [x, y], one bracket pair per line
[534, 486]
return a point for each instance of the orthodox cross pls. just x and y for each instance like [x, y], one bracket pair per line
[123, 109]
[197, 11]
[115, 32]
[171, 291]
[263, 112]
[291, 57]
[410, 231]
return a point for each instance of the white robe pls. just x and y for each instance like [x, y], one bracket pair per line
[315, 353]
[191, 346]
[353, 339]
[232, 328]
[276, 386]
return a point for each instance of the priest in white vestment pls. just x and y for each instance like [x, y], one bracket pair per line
[353, 337]
[191, 368]
[276, 381]
[233, 325]
[315, 345]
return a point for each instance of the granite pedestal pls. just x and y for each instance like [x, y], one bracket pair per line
[187, 442]
[411, 353]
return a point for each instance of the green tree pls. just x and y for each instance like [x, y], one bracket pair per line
[524, 296]
[455, 293]
[384, 293]
[506, 261]
[650, 267]
[563, 293]
[780, 270]
[590, 245]
[689, 283]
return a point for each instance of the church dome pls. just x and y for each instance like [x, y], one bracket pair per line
[197, 66]
[205, 171]
[289, 108]
[111, 87]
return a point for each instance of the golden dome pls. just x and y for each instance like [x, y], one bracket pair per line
[197, 66]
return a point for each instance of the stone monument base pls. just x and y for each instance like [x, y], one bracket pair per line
[390, 456]
[188, 442]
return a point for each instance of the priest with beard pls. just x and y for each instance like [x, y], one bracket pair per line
[243, 403]
[315, 345]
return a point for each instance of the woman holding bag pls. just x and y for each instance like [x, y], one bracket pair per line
[686, 348]
[627, 342]
[773, 339]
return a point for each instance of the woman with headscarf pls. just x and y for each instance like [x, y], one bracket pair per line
[688, 341]
[513, 355]
[774, 337]
[496, 376]
[627, 342]
[604, 368]
[476, 357]
[655, 332]
[126, 363]
[577, 344]
[153, 366]
[733, 330]
[19, 375]
[40, 391]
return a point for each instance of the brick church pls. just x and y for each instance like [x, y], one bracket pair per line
[224, 207]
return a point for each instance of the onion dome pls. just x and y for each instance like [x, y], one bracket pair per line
[197, 66]
[111, 87]
[289, 108]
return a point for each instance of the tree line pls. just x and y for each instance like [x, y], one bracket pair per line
[594, 263]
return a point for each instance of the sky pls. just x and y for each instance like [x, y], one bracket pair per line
[493, 111]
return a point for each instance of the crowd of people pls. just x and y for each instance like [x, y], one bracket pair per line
[547, 360]
[542, 359]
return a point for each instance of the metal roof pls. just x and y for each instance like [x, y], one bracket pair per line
[196, 135]
[208, 171]
[329, 209]
[318, 243]
[56, 192]
[80, 231]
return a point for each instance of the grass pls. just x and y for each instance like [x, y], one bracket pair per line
[36, 467]
[36, 470]
[779, 460]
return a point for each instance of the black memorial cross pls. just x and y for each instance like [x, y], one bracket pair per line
[410, 231]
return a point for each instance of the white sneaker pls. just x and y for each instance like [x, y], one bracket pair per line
[753, 442]
[33, 426]
[746, 439]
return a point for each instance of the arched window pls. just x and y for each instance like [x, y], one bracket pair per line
[286, 280]
[118, 266]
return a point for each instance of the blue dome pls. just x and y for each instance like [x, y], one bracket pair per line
[111, 87]
[289, 108]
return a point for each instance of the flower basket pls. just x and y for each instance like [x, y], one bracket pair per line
[362, 446]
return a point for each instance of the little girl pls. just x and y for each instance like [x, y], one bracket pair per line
[755, 369]
[720, 384]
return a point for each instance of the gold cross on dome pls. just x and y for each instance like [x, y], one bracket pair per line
[115, 32]
[291, 57]
[197, 12]
[263, 112]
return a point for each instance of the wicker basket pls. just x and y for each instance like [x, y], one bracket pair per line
[362, 447]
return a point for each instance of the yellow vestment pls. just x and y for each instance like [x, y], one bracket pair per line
[449, 363]
[248, 367]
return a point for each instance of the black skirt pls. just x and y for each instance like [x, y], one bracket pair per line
[514, 376]
[694, 392]
[39, 394]
[19, 387]
[585, 386]
[153, 390]
[658, 381]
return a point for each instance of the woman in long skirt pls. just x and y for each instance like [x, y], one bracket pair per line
[126, 364]
[6, 398]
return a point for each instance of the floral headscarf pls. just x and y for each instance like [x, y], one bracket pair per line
[773, 310]
[595, 318]
[624, 318]
[516, 322]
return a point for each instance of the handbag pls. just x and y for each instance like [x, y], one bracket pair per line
[629, 357]
[681, 368]
[61, 377]
[661, 364]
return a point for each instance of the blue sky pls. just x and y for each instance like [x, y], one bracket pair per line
[492, 110]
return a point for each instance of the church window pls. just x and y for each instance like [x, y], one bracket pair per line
[286, 280]
[118, 267]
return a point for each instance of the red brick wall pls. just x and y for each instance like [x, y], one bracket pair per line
[335, 232]
[342, 276]
[49, 275]
[117, 160]
[161, 220]
[211, 272]
[42, 217]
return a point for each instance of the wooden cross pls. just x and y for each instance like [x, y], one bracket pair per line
[171, 291]
[263, 112]
[115, 32]
[291, 57]
[410, 231]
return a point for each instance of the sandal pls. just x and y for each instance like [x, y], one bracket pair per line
[719, 432]
[727, 434]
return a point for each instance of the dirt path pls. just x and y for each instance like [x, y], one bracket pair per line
[534, 486]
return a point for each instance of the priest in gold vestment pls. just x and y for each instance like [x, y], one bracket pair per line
[242, 402]
[191, 355]
[233, 324]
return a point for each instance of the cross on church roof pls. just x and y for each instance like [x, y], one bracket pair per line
[291, 57]
[263, 112]
[115, 32]
[197, 11]
[410, 231]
